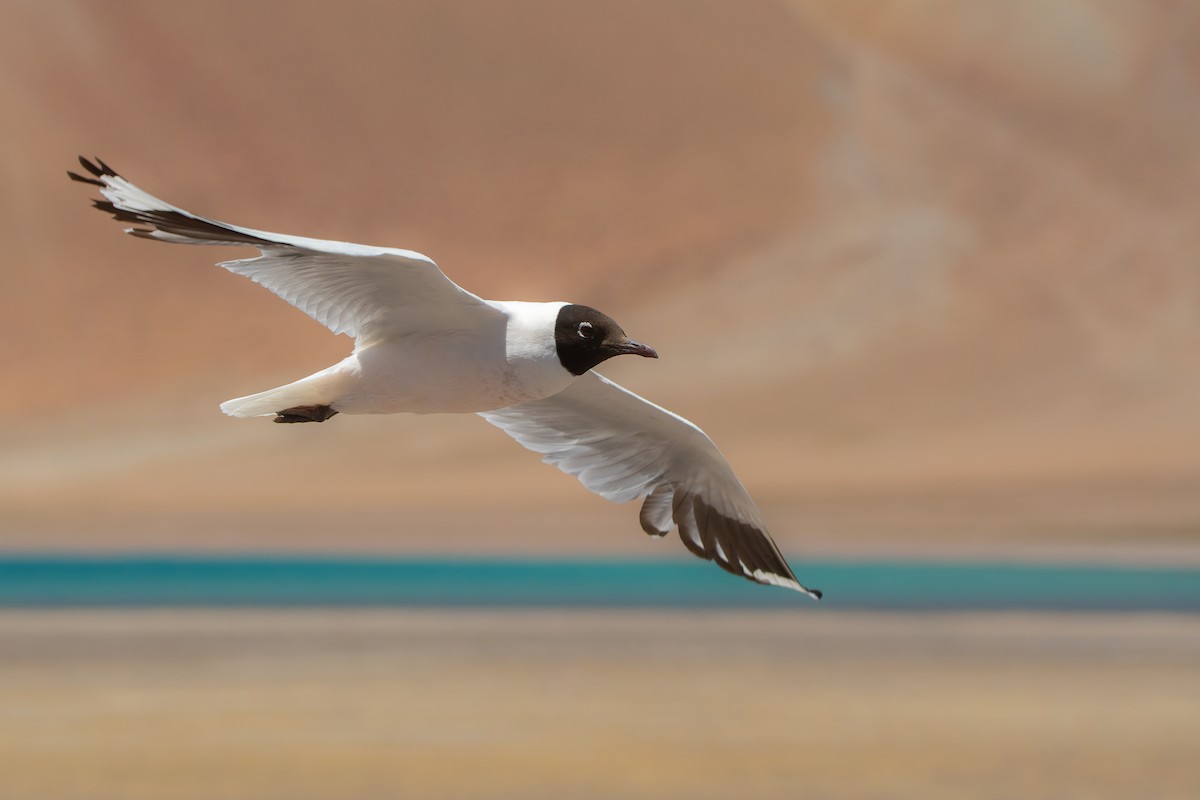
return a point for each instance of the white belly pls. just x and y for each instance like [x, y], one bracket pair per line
[444, 373]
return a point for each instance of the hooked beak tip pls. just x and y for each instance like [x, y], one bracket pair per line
[639, 349]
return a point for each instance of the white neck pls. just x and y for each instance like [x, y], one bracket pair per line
[530, 349]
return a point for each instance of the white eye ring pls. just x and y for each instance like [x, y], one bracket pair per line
[585, 330]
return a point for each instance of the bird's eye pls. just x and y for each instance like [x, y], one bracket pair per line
[586, 331]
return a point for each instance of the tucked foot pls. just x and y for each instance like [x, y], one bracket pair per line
[305, 414]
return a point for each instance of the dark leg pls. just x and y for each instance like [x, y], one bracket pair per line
[305, 414]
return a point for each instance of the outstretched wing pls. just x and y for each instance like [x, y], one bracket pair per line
[623, 447]
[369, 293]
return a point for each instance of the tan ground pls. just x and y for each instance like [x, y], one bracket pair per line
[167, 705]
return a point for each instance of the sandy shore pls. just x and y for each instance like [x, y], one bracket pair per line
[306, 704]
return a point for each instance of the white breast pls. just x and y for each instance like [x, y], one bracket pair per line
[466, 371]
[533, 367]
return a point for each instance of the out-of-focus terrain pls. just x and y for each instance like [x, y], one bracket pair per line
[314, 704]
[926, 272]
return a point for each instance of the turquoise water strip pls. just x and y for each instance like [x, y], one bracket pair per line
[126, 581]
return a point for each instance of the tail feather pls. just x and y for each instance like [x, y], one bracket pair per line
[321, 389]
[266, 404]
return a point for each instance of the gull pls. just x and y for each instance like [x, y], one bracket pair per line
[423, 344]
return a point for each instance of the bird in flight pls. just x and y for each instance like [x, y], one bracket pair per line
[423, 344]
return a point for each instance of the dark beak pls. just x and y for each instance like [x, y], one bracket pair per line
[630, 347]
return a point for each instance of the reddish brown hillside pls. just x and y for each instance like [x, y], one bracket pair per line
[923, 267]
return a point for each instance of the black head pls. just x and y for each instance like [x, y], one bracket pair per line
[584, 338]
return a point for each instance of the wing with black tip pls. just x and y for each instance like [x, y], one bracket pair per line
[623, 447]
[370, 293]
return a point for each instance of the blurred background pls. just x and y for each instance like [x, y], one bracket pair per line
[926, 271]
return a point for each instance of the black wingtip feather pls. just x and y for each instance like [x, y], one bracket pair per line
[177, 225]
[121, 215]
[101, 171]
[75, 176]
[735, 546]
[98, 170]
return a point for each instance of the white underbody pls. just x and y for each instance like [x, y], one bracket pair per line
[510, 360]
